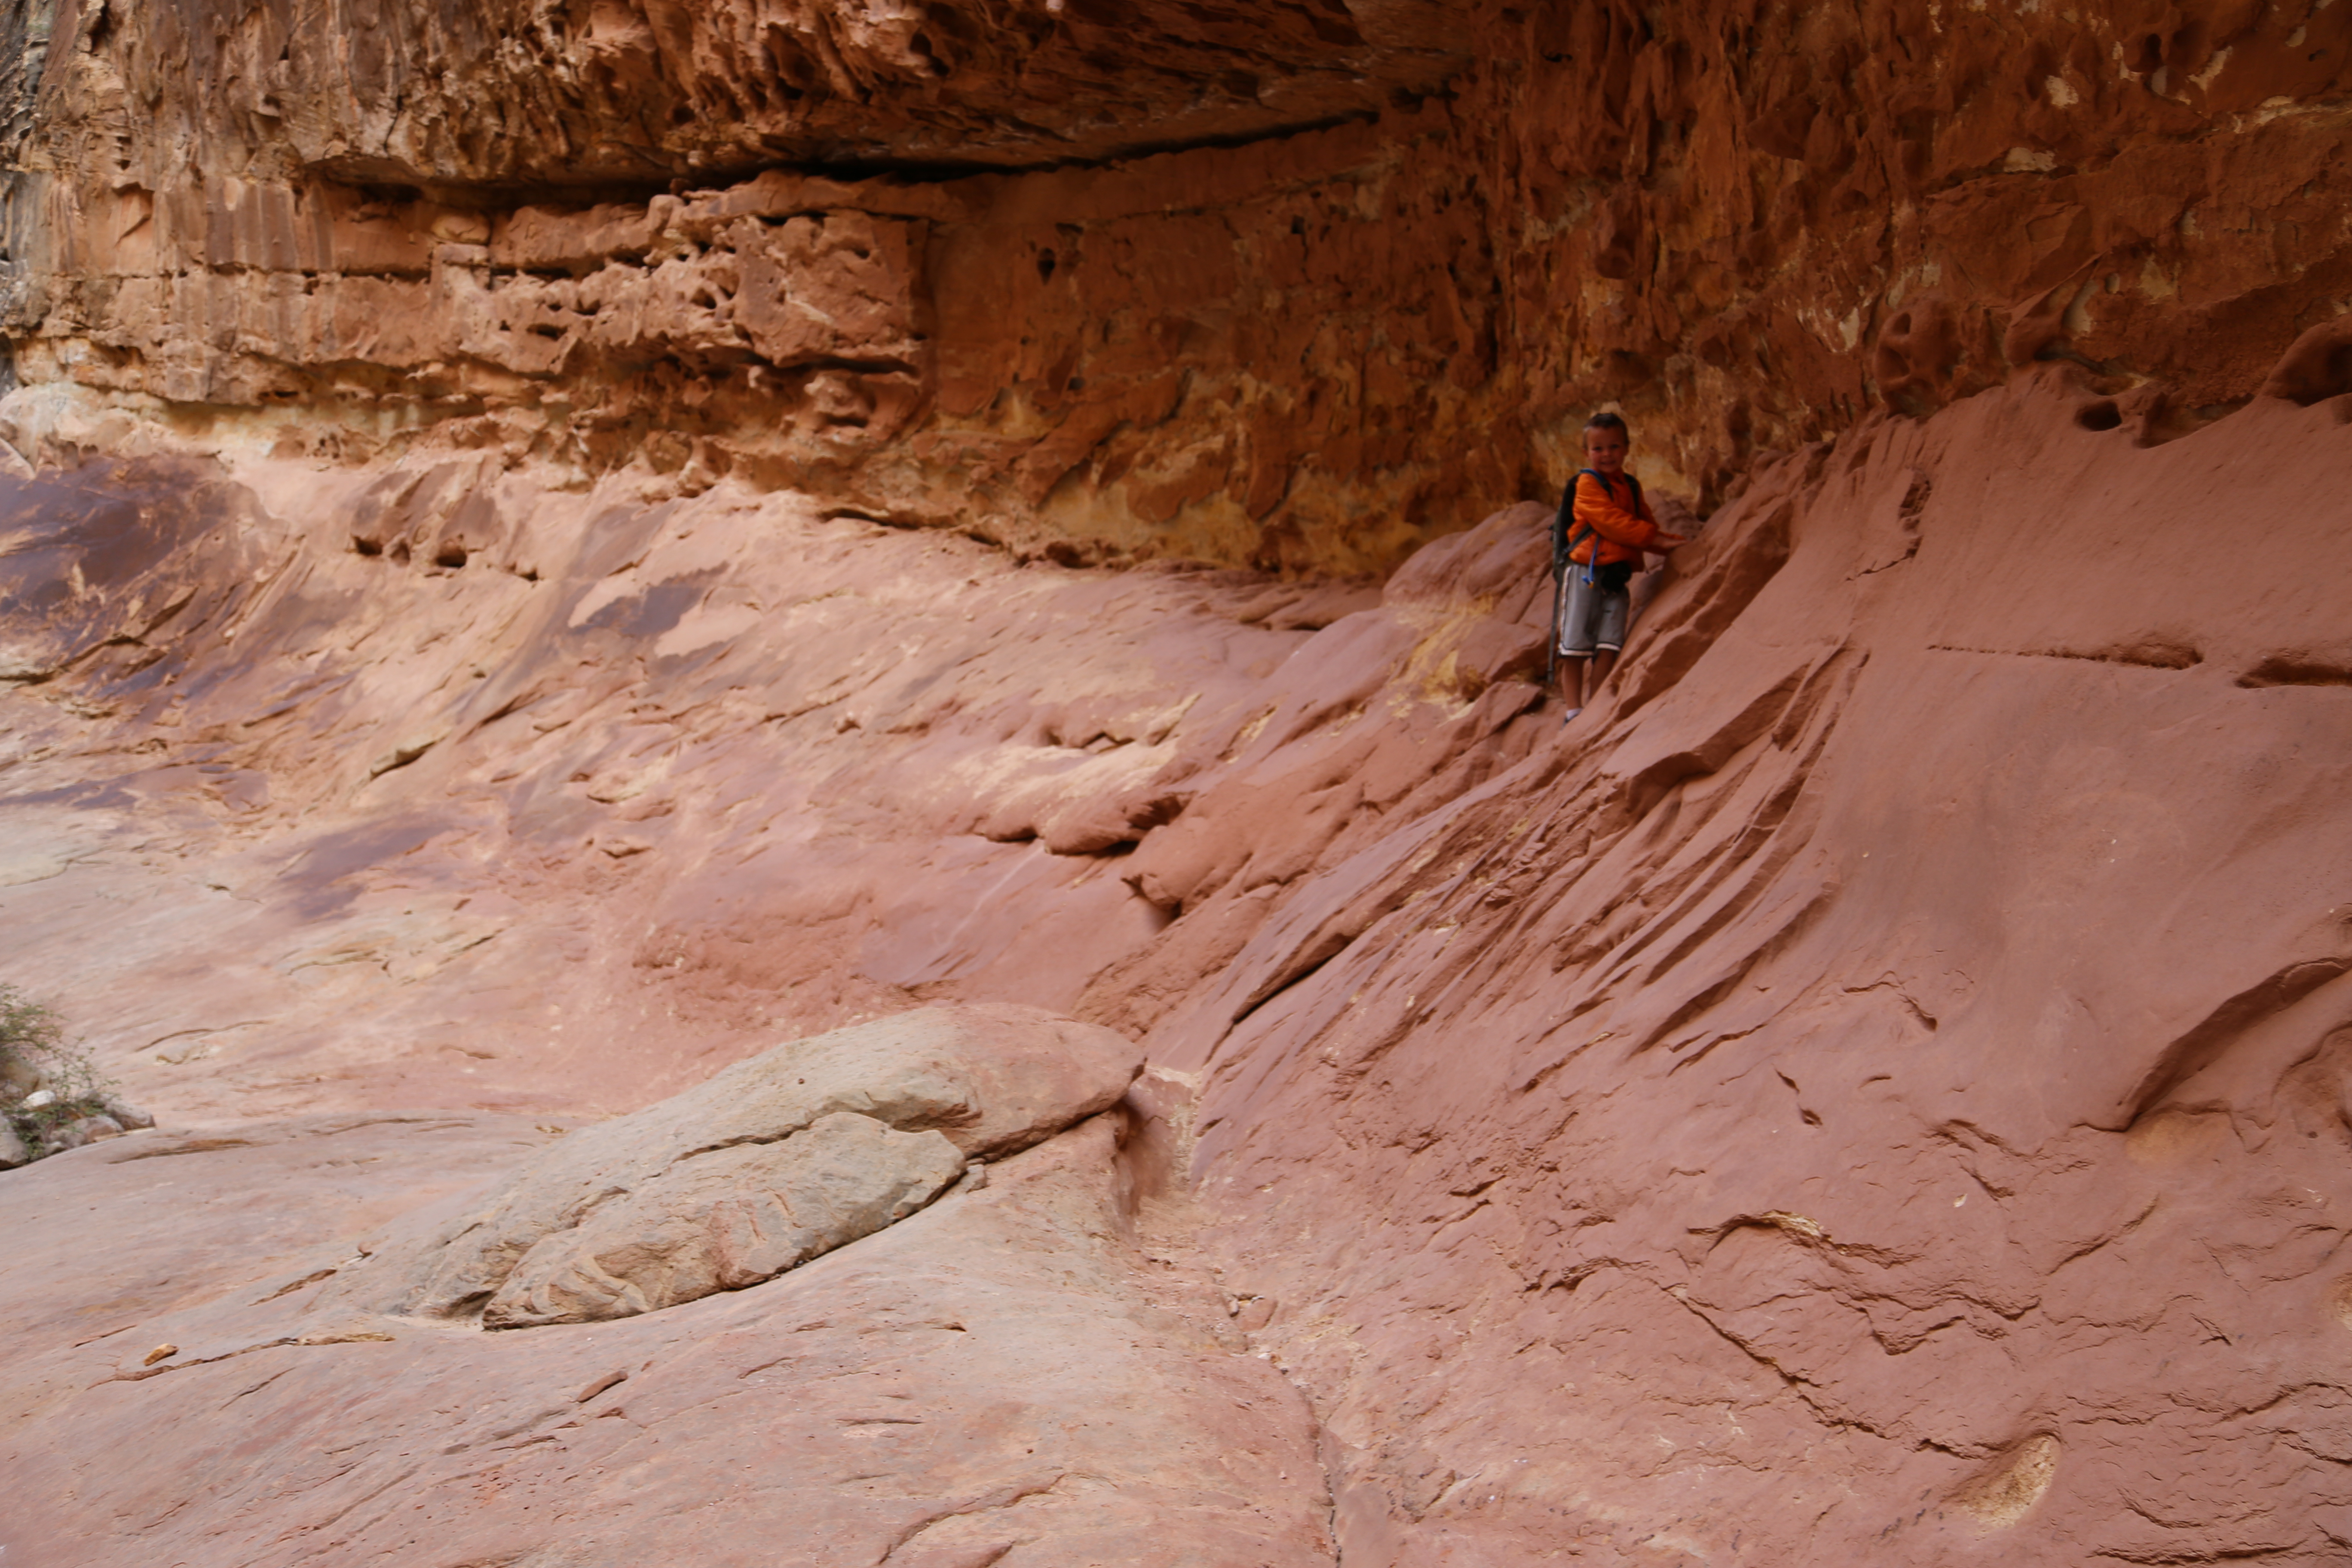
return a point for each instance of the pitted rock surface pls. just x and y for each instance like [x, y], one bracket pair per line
[1297, 284]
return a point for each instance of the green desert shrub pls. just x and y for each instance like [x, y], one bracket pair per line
[35, 1056]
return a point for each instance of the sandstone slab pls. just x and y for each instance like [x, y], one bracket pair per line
[773, 1161]
[1004, 1376]
[729, 1218]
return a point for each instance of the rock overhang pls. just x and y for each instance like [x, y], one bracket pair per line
[1312, 336]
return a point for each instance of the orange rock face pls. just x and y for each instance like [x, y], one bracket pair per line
[1297, 285]
[543, 554]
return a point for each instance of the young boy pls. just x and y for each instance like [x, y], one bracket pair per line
[1603, 527]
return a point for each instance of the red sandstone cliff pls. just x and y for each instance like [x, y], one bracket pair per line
[1301, 285]
[1873, 1090]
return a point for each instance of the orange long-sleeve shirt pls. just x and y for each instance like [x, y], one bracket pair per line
[1599, 512]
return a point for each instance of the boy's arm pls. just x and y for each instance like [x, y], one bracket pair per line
[1662, 538]
[1597, 509]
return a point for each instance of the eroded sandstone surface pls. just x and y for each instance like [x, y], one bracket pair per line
[1871, 1088]
[927, 1396]
[546, 558]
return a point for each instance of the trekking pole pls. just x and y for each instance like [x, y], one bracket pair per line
[1552, 628]
[1558, 587]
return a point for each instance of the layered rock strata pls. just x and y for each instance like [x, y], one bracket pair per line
[718, 244]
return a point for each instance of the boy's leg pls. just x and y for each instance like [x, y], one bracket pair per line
[1571, 680]
[1612, 608]
[1574, 638]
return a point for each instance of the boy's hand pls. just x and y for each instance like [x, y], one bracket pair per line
[1665, 542]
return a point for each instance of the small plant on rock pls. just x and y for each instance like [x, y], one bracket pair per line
[47, 1085]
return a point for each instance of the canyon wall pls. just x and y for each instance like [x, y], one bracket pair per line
[1298, 286]
[547, 550]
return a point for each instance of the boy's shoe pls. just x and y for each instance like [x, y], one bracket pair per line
[1570, 714]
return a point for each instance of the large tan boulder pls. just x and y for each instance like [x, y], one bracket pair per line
[777, 1159]
[728, 1219]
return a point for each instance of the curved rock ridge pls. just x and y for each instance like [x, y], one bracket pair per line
[503, 93]
[774, 1160]
[652, 785]
[1877, 1091]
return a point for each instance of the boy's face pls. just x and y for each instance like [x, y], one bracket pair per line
[1604, 451]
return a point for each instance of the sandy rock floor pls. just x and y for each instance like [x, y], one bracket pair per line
[1872, 1090]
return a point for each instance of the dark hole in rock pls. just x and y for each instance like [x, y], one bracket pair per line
[2296, 669]
[2331, 377]
[2101, 416]
[449, 555]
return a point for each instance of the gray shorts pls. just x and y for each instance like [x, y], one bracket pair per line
[1591, 615]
